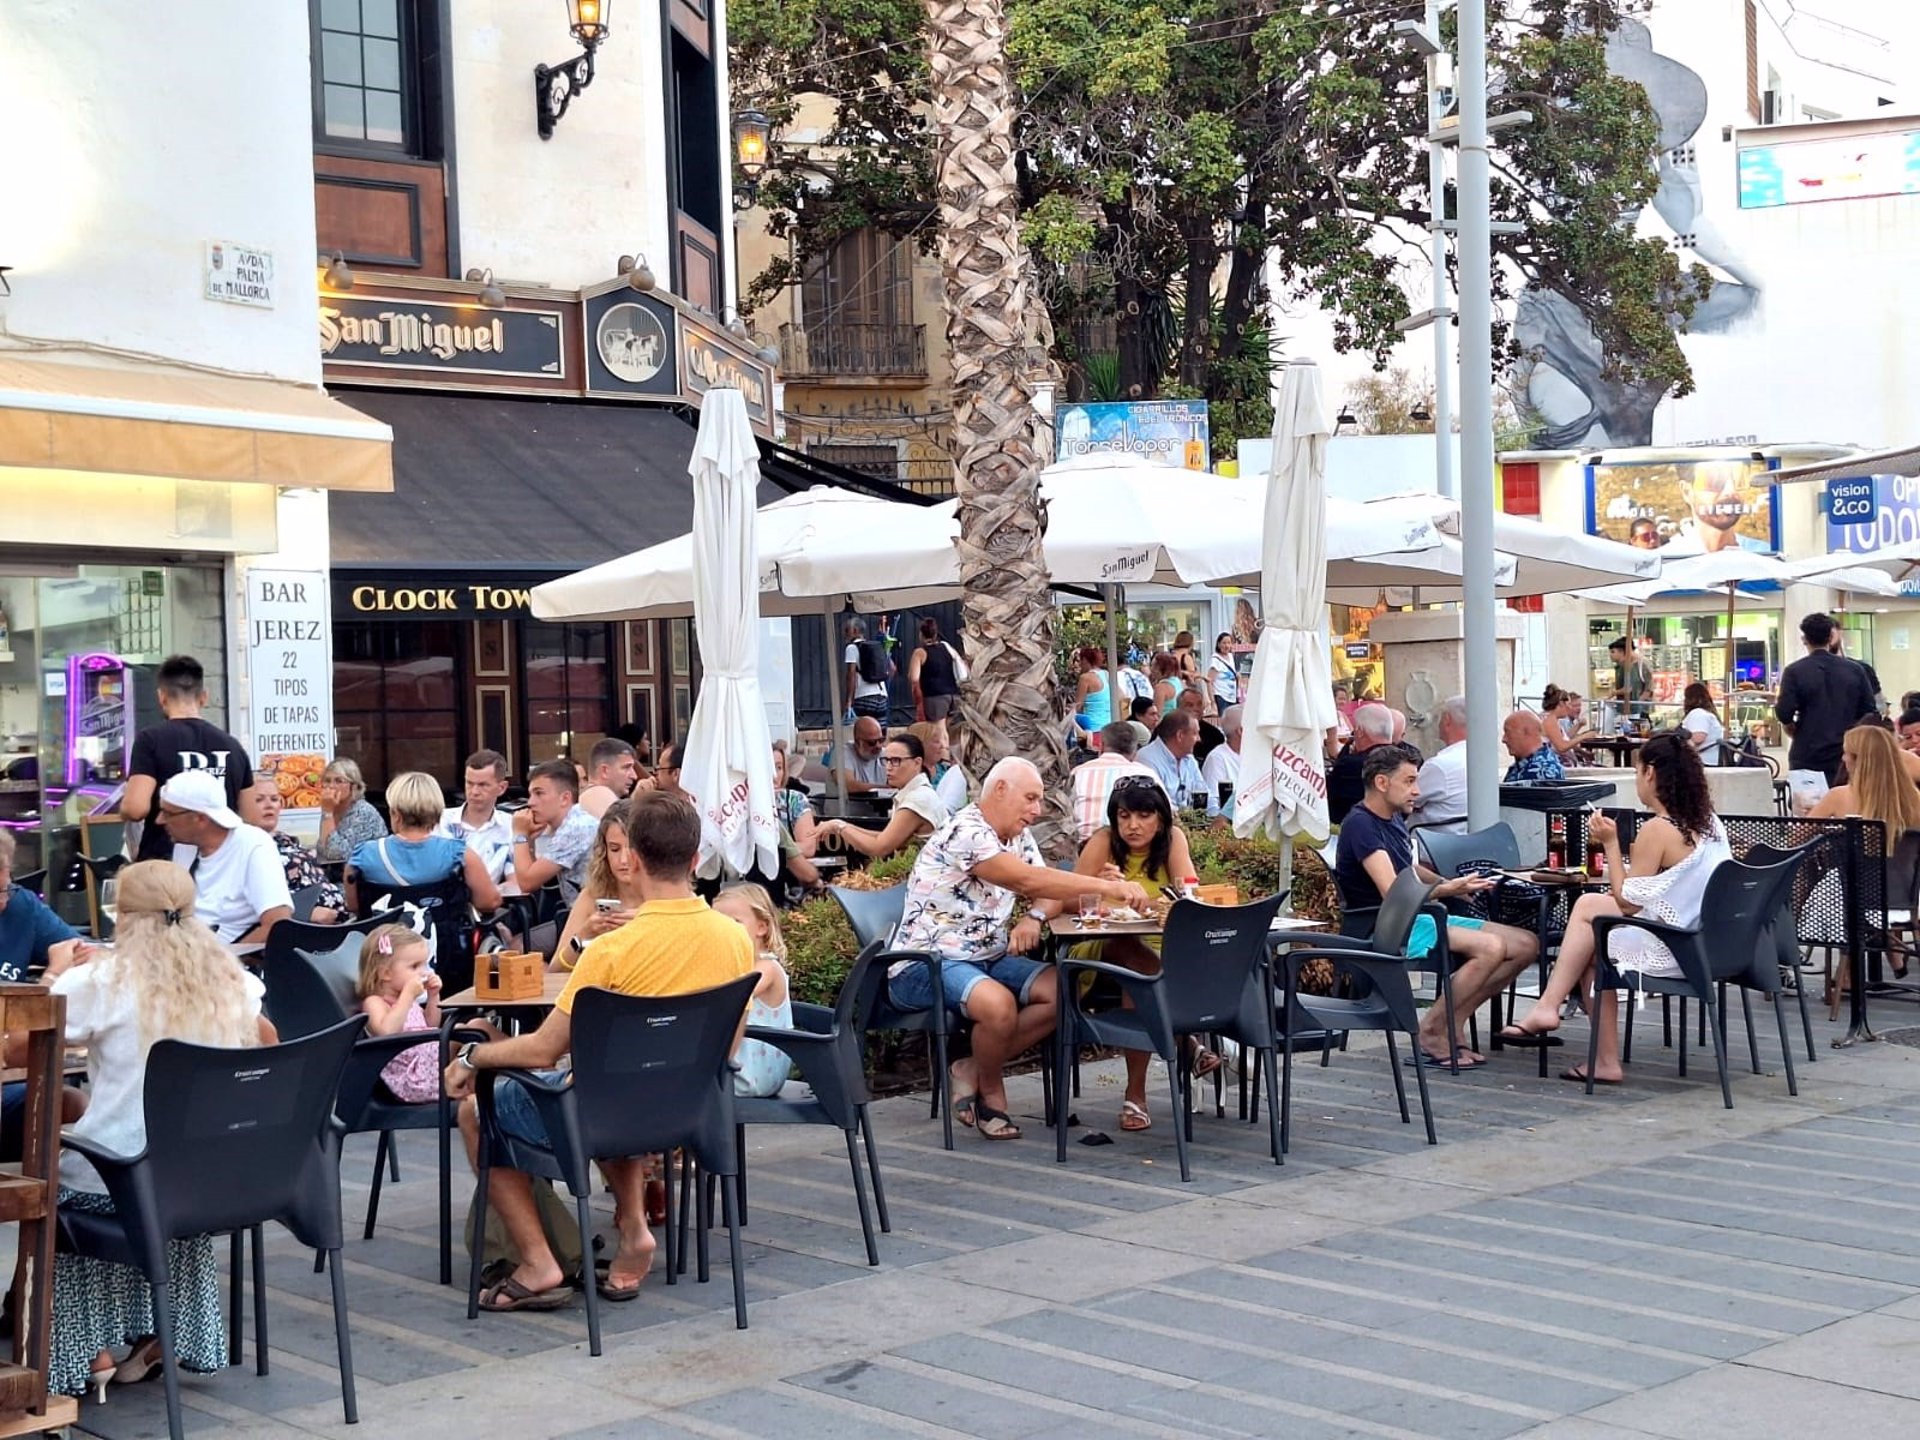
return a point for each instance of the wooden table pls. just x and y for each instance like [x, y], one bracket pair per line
[552, 983]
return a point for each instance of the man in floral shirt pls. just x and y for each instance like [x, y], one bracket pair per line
[959, 906]
[1533, 758]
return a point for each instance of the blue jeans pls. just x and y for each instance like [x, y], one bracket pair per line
[912, 989]
[514, 1112]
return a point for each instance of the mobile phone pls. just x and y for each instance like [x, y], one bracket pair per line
[606, 907]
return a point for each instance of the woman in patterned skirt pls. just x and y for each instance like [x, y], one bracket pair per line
[167, 978]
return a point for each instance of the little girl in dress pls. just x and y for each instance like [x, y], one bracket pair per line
[763, 1068]
[399, 991]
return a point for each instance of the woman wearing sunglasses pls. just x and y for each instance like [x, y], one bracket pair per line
[917, 808]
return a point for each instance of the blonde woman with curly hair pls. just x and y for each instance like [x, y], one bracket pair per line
[166, 978]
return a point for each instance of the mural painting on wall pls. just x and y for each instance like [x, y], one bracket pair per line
[1569, 383]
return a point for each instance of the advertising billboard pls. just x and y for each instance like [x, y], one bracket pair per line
[1694, 504]
[1167, 432]
[1854, 167]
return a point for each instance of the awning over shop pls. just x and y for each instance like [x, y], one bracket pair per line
[158, 422]
[1905, 461]
[546, 485]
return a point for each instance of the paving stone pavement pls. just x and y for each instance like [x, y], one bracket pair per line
[1641, 1263]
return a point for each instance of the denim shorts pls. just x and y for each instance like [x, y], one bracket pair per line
[514, 1112]
[912, 988]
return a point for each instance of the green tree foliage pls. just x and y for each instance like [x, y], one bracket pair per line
[1169, 147]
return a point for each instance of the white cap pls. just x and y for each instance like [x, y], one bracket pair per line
[201, 791]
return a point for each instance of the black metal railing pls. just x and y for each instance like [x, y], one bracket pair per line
[853, 350]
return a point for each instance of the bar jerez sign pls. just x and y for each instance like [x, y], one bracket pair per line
[427, 335]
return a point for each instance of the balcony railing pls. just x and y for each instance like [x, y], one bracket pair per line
[855, 351]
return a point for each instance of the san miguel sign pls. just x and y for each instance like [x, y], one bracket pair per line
[397, 334]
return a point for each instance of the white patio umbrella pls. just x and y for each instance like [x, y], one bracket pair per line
[727, 764]
[1289, 705]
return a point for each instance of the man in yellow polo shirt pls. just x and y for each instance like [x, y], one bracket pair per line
[674, 945]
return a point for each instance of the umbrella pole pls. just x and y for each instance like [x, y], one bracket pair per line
[1726, 683]
[835, 703]
[1113, 653]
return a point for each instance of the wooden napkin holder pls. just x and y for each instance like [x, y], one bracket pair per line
[1217, 894]
[508, 975]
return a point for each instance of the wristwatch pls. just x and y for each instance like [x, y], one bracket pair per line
[465, 1054]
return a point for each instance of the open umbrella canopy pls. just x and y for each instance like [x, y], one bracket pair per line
[727, 761]
[1746, 572]
[1530, 558]
[657, 582]
[1289, 704]
[1899, 561]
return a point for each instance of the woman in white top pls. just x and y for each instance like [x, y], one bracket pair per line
[949, 780]
[1674, 853]
[167, 978]
[1703, 727]
[917, 808]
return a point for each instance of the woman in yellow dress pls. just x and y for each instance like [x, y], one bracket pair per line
[1139, 842]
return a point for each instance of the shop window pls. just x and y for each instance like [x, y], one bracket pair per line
[569, 689]
[367, 90]
[396, 693]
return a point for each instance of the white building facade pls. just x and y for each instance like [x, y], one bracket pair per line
[163, 433]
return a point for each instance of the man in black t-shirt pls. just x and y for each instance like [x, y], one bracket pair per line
[179, 743]
[1822, 696]
[1374, 848]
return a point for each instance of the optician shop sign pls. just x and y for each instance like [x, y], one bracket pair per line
[1857, 524]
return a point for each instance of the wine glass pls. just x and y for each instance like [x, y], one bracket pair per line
[109, 901]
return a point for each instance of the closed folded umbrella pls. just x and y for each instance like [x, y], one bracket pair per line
[727, 765]
[1289, 705]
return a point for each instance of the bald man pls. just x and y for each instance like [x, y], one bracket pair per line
[959, 906]
[863, 767]
[1534, 760]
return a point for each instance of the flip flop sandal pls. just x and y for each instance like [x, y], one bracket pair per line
[994, 1124]
[1442, 1062]
[519, 1297]
[618, 1294]
[966, 1108]
[1579, 1077]
[1205, 1062]
[1521, 1039]
[1134, 1117]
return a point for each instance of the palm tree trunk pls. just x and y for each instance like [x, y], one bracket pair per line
[1009, 705]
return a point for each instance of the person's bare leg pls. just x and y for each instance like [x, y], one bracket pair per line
[1128, 951]
[635, 1257]
[511, 1194]
[1571, 968]
[994, 1013]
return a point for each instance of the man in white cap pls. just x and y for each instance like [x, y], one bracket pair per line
[240, 881]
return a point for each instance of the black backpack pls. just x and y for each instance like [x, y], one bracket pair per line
[876, 665]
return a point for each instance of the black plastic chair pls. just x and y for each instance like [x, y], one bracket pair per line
[448, 903]
[1212, 979]
[825, 1045]
[88, 868]
[874, 915]
[650, 1074]
[1391, 928]
[1784, 933]
[235, 1138]
[1380, 997]
[1736, 948]
[290, 936]
[1451, 855]
[34, 880]
[313, 990]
